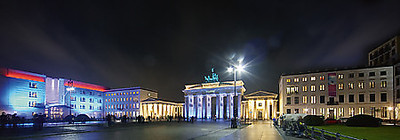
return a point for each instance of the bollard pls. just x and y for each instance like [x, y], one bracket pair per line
[337, 136]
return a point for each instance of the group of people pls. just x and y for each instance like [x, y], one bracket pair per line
[10, 120]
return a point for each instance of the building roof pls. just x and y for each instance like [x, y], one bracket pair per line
[160, 100]
[261, 93]
[130, 88]
[335, 69]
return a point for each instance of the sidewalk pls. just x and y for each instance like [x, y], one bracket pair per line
[259, 130]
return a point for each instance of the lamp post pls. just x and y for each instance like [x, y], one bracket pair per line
[235, 69]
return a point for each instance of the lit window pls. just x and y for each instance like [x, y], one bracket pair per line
[312, 87]
[321, 77]
[304, 99]
[361, 85]
[296, 89]
[33, 94]
[288, 80]
[341, 112]
[383, 84]
[304, 79]
[296, 80]
[340, 76]
[371, 84]
[32, 85]
[351, 85]
[321, 111]
[361, 110]
[340, 86]
[322, 87]
[288, 90]
[313, 99]
[351, 112]
[32, 103]
[312, 78]
[304, 88]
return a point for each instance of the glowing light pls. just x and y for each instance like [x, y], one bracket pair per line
[240, 68]
[70, 89]
[390, 108]
[230, 69]
[23, 75]
[83, 85]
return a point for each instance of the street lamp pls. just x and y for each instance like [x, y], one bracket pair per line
[235, 69]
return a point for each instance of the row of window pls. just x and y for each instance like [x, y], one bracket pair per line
[83, 99]
[90, 93]
[123, 106]
[340, 86]
[122, 99]
[122, 93]
[351, 99]
[73, 106]
[127, 113]
[341, 111]
[339, 76]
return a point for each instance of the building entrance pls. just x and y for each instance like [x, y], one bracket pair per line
[259, 115]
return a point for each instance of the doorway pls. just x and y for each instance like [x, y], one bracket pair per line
[259, 115]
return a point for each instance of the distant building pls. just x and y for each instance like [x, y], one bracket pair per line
[340, 93]
[387, 53]
[127, 101]
[216, 99]
[260, 105]
[161, 109]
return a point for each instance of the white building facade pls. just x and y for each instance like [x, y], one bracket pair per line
[339, 94]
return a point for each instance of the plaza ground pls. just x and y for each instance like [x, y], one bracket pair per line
[199, 130]
[369, 133]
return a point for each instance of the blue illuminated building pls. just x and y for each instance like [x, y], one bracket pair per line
[27, 93]
[22, 92]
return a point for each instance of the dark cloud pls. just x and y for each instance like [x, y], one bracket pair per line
[164, 45]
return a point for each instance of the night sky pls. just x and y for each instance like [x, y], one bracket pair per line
[164, 45]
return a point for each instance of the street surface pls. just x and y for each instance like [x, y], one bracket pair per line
[159, 131]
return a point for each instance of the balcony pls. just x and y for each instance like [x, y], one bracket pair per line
[332, 103]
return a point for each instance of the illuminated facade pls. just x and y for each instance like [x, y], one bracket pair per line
[127, 101]
[216, 99]
[340, 93]
[161, 109]
[259, 105]
[27, 93]
[65, 97]
[22, 92]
